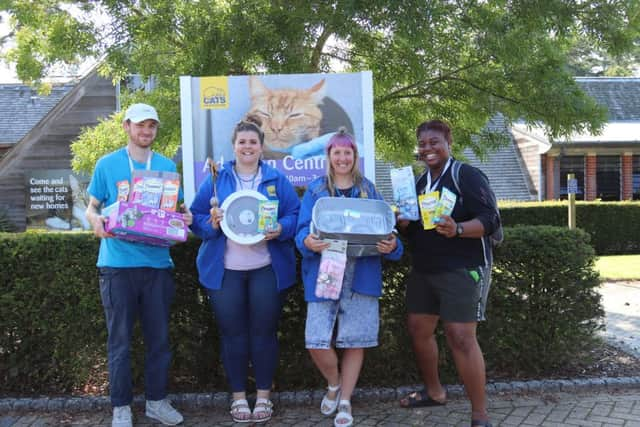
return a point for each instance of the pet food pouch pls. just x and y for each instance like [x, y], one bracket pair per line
[445, 204]
[333, 261]
[170, 189]
[404, 192]
[147, 188]
[428, 203]
[267, 216]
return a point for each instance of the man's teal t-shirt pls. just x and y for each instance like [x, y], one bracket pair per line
[110, 170]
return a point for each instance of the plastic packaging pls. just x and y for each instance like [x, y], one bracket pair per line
[331, 272]
[428, 203]
[404, 192]
[445, 204]
[267, 216]
[155, 189]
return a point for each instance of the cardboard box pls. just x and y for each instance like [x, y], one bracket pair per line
[138, 223]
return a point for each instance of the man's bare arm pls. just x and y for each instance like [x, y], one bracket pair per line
[95, 219]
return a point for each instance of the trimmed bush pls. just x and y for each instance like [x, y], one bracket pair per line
[544, 306]
[614, 227]
[543, 309]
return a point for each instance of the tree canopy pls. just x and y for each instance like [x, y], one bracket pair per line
[462, 61]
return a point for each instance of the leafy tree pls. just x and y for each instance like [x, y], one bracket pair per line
[587, 60]
[460, 60]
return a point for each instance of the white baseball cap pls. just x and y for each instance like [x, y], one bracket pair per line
[140, 112]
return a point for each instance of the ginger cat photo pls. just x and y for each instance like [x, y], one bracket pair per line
[289, 116]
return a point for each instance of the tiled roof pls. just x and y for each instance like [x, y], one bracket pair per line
[503, 167]
[383, 180]
[621, 95]
[22, 108]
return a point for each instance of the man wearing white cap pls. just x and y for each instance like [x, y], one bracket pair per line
[136, 279]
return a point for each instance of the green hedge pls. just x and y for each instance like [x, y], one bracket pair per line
[614, 227]
[543, 310]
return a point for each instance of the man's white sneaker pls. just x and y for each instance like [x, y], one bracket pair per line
[121, 416]
[162, 411]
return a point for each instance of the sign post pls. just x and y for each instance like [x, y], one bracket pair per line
[572, 189]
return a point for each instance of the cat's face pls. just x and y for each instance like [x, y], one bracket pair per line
[289, 116]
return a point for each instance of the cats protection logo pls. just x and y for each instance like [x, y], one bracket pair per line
[214, 93]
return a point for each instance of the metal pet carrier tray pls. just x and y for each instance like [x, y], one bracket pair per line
[359, 221]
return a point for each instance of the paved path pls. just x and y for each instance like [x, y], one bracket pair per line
[605, 408]
[621, 302]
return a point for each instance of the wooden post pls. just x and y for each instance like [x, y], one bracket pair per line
[571, 193]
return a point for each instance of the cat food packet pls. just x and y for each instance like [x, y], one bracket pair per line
[152, 193]
[428, 203]
[143, 181]
[123, 190]
[137, 186]
[404, 192]
[170, 190]
[445, 204]
[267, 216]
[333, 262]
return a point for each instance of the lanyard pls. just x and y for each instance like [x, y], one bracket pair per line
[430, 187]
[148, 163]
[240, 180]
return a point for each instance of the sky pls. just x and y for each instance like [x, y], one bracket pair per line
[7, 74]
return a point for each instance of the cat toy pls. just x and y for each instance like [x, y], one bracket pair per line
[213, 201]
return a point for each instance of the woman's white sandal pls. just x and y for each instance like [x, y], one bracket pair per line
[343, 418]
[263, 410]
[240, 411]
[329, 406]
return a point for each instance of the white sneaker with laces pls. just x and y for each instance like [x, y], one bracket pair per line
[122, 417]
[162, 411]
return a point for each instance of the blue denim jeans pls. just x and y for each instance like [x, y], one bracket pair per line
[247, 309]
[129, 293]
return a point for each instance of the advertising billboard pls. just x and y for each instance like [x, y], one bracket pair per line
[299, 113]
[56, 199]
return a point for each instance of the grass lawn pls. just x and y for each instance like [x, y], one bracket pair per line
[619, 267]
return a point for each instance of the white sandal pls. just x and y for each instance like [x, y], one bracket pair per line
[240, 411]
[263, 410]
[343, 418]
[329, 406]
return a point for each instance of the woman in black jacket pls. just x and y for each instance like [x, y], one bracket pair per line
[446, 281]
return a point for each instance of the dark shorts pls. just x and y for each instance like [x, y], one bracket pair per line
[455, 295]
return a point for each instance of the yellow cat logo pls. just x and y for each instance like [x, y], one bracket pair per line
[271, 190]
[214, 93]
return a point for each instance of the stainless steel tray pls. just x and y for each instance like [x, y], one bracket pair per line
[359, 221]
[362, 250]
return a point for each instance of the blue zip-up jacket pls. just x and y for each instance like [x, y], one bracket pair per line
[367, 278]
[274, 186]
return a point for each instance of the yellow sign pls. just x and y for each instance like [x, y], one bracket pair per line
[214, 93]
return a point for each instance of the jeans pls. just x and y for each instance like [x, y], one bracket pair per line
[247, 309]
[129, 293]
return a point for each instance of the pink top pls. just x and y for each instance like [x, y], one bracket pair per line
[246, 257]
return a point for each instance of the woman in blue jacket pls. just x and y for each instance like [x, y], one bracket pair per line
[246, 296]
[356, 310]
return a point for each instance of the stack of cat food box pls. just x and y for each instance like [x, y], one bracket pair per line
[149, 214]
